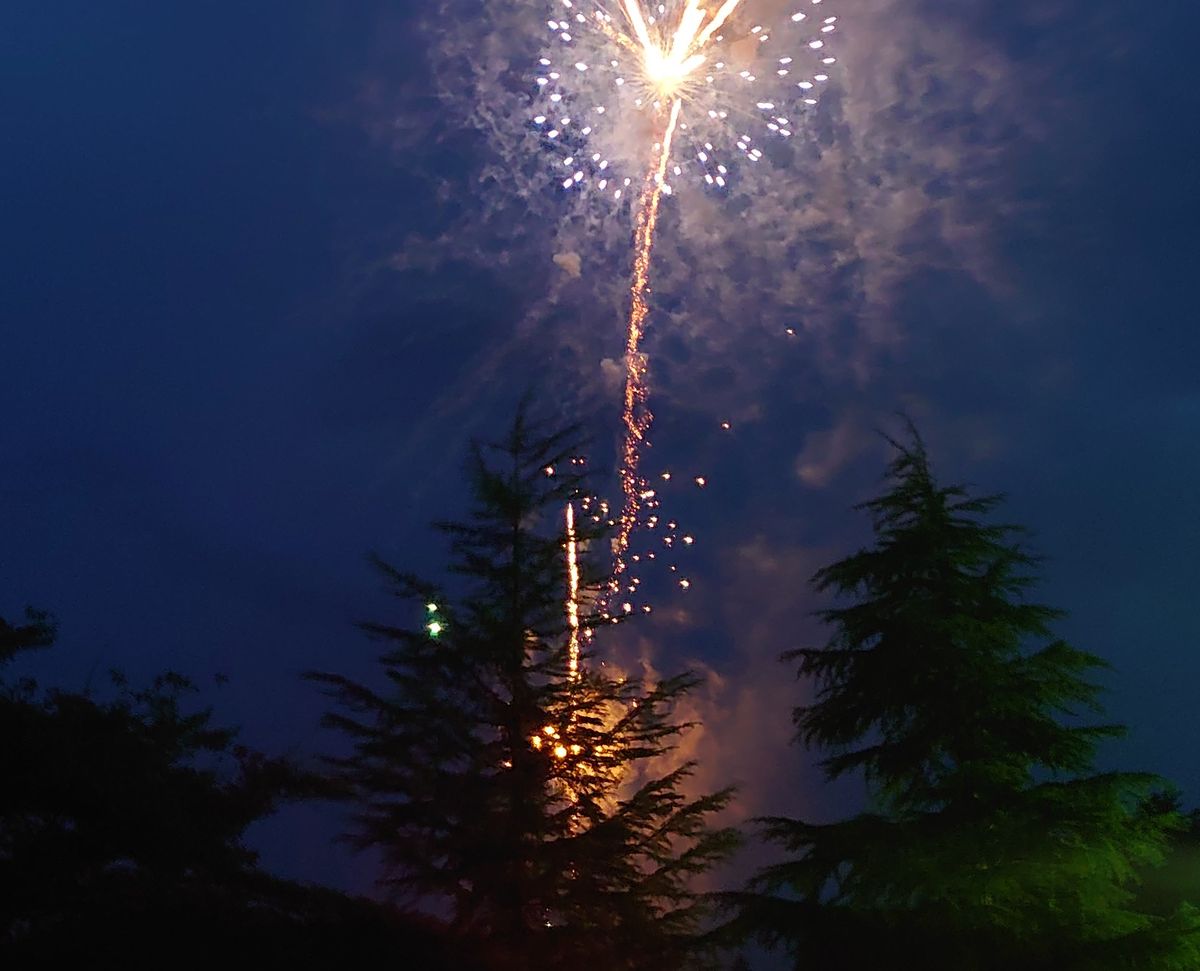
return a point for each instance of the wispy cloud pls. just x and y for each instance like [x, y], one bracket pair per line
[903, 166]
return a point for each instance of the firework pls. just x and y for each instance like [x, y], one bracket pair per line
[636, 416]
[607, 84]
[572, 595]
[662, 75]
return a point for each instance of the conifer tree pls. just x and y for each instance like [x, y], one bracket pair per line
[496, 780]
[992, 842]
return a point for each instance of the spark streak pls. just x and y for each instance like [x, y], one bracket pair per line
[636, 416]
[572, 595]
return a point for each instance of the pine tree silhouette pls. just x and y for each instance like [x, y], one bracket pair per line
[494, 781]
[992, 841]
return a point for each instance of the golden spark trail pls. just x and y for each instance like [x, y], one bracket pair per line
[636, 416]
[715, 24]
[572, 595]
[607, 76]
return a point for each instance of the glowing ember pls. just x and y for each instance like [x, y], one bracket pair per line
[572, 595]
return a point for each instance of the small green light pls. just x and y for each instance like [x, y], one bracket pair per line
[434, 629]
[431, 607]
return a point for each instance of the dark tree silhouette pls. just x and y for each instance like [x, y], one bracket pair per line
[529, 802]
[122, 826]
[992, 842]
[37, 631]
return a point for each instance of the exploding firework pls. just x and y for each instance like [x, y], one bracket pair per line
[620, 93]
[607, 85]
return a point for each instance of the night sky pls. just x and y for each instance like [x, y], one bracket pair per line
[266, 269]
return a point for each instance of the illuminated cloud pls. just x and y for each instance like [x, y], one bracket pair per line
[902, 167]
[784, 294]
[570, 263]
[828, 451]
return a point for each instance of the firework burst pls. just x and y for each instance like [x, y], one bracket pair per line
[661, 92]
[611, 75]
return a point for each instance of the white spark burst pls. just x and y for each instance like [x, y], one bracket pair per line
[611, 73]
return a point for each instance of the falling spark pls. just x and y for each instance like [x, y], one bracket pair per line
[636, 415]
[572, 595]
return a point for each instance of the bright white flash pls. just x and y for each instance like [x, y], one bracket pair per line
[638, 58]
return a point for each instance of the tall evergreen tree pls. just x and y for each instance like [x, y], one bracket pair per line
[522, 796]
[991, 841]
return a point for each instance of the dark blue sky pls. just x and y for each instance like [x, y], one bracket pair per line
[256, 291]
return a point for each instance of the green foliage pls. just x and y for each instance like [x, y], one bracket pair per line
[551, 856]
[929, 663]
[1177, 881]
[992, 843]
